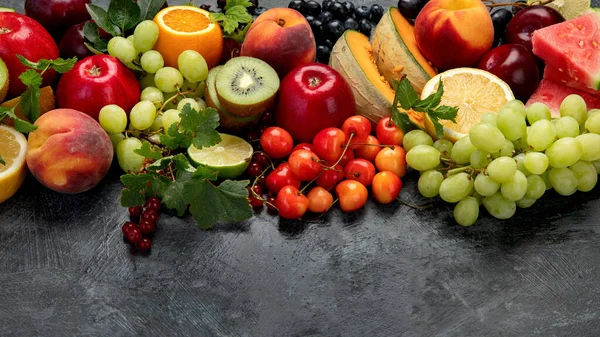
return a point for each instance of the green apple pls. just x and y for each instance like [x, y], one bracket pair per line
[3, 80]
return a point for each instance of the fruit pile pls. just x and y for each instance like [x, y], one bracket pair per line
[206, 107]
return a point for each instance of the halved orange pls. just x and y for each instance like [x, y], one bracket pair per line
[13, 146]
[187, 27]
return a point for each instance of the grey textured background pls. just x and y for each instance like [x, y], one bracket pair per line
[384, 271]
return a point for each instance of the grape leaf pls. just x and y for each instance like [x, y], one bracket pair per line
[124, 14]
[173, 197]
[147, 151]
[100, 17]
[149, 8]
[210, 204]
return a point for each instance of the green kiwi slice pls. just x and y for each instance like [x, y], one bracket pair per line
[227, 120]
[246, 86]
[3, 80]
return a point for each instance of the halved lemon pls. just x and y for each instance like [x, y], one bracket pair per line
[473, 91]
[13, 146]
[229, 158]
[187, 27]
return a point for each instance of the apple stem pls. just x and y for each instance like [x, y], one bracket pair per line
[314, 82]
[94, 71]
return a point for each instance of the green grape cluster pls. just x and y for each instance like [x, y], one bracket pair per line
[510, 159]
[166, 90]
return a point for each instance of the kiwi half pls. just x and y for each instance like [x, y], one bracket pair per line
[246, 86]
[227, 121]
[3, 80]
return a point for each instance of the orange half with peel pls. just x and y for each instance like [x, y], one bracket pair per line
[183, 28]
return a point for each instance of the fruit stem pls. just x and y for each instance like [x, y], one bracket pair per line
[459, 170]
[94, 71]
[413, 205]
[344, 152]
[173, 98]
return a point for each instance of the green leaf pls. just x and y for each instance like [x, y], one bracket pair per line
[134, 193]
[147, 151]
[27, 63]
[202, 124]
[402, 120]
[30, 77]
[239, 14]
[217, 17]
[92, 49]
[149, 8]
[2, 161]
[432, 101]
[124, 14]
[439, 128]
[203, 172]
[446, 112]
[61, 66]
[30, 103]
[173, 197]
[133, 66]
[23, 126]
[100, 16]
[175, 139]
[405, 93]
[210, 204]
[232, 3]
[101, 46]
[90, 31]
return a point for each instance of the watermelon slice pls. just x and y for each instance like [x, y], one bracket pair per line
[558, 75]
[552, 94]
[572, 47]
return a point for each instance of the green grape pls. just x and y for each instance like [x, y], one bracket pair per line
[145, 35]
[592, 124]
[515, 188]
[423, 157]
[112, 118]
[444, 146]
[489, 118]
[201, 103]
[523, 144]
[197, 89]
[499, 207]
[130, 39]
[541, 135]
[456, 187]
[586, 175]
[115, 139]
[536, 187]
[563, 180]
[516, 106]
[146, 80]
[462, 150]
[129, 161]
[511, 123]
[142, 115]
[546, 177]
[596, 164]
[486, 137]
[169, 117]
[485, 185]
[157, 124]
[502, 169]
[566, 127]
[122, 49]
[507, 150]
[574, 106]
[536, 162]
[414, 138]
[193, 66]
[520, 159]
[479, 159]
[590, 146]
[153, 95]
[525, 202]
[152, 61]
[477, 197]
[168, 79]
[564, 152]
[173, 103]
[538, 111]
[192, 102]
[466, 211]
[429, 183]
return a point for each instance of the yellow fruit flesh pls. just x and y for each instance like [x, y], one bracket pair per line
[12, 150]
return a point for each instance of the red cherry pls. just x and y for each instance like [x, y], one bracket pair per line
[276, 142]
[303, 146]
[388, 133]
[280, 177]
[357, 126]
[330, 178]
[291, 203]
[329, 143]
[360, 170]
[305, 165]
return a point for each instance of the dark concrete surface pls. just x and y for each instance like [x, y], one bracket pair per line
[384, 271]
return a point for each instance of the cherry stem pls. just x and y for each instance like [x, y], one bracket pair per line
[259, 197]
[413, 205]
[343, 152]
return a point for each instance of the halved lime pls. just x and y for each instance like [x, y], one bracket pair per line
[569, 9]
[6, 9]
[229, 158]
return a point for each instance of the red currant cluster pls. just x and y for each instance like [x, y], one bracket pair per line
[142, 224]
[348, 160]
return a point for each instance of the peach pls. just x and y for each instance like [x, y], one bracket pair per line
[69, 152]
[281, 37]
[454, 33]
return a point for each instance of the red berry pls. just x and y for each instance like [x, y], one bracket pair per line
[144, 245]
[150, 215]
[357, 126]
[261, 181]
[291, 203]
[135, 211]
[262, 159]
[254, 169]
[147, 227]
[360, 170]
[280, 177]
[134, 235]
[305, 165]
[257, 189]
[128, 226]
[253, 135]
[152, 203]
[330, 178]
[276, 142]
[256, 202]
[271, 205]
[267, 118]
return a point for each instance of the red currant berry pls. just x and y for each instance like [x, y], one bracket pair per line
[254, 169]
[261, 181]
[144, 245]
[128, 226]
[262, 159]
[257, 189]
[253, 135]
[150, 215]
[267, 118]
[152, 203]
[134, 235]
[147, 227]
[256, 202]
[135, 211]
[271, 205]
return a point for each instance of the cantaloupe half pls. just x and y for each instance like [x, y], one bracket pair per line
[47, 103]
[396, 53]
[352, 57]
[3, 80]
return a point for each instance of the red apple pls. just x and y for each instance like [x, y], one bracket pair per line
[97, 81]
[313, 97]
[57, 15]
[71, 43]
[21, 35]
